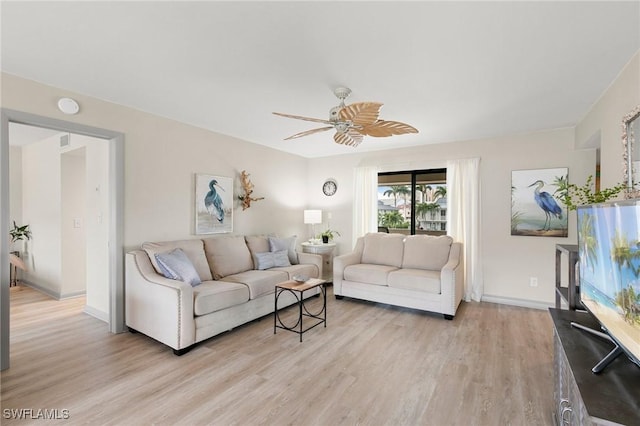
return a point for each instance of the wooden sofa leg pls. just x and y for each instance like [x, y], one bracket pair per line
[180, 352]
[339, 297]
[448, 317]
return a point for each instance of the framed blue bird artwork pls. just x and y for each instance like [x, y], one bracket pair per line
[213, 204]
[536, 209]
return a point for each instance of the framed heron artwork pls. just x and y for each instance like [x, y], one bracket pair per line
[214, 204]
[536, 206]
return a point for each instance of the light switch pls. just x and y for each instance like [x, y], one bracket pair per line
[77, 222]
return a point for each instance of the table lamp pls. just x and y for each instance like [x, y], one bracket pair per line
[312, 217]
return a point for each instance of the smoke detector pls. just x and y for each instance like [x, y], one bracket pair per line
[68, 106]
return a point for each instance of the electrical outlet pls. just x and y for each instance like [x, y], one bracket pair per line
[533, 281]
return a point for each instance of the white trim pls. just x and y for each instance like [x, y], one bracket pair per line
[96, 313]
[533, 304]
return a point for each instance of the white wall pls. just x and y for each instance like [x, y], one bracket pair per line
[508, 261]
[15, 188]
[73, 243]
[96, 225]
[72, 182]
[41, 210]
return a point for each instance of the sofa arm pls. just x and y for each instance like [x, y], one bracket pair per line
[339, 264]
[157, 306]
[452, 280]
[311, 259]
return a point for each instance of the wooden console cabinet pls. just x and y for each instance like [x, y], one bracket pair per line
[581, 397]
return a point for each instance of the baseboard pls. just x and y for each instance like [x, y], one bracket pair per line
[41, 289]
[96, 313]
[533, 304]
[53, 294]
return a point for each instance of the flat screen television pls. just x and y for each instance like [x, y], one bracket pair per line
[609, 273]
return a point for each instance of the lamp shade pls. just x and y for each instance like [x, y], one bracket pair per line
[312, 216]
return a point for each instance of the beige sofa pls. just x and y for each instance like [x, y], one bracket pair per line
[233, 290]
[416, 271]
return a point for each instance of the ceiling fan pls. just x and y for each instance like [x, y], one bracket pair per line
[353, 122]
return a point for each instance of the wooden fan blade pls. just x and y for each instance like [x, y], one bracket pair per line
[383, 128]
[361, 113]
[309, 132]
[349, 138]
[298, 117]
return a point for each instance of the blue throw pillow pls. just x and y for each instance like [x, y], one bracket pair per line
[271, 259]
[288, 244]
[176, 265]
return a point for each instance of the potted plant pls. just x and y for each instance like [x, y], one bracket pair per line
[19, 233]
[573, 195]
[328, 235]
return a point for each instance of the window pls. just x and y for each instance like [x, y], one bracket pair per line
[413, 202]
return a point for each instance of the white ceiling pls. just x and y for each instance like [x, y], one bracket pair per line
[454, 70]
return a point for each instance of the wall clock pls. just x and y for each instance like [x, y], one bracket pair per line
[329, 187]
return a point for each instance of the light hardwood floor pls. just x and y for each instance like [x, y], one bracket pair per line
[373, 365]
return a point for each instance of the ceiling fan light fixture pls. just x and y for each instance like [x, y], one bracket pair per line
[353, 122]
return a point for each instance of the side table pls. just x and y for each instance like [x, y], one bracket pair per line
[327, 253]
[298, 289]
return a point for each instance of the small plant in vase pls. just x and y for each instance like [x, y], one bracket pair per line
[328, 235]
[19, 233]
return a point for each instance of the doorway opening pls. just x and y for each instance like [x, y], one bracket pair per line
[114, 142]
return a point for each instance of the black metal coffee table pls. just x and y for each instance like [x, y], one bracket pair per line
[298, 289]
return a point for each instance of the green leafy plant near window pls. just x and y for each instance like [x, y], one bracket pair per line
[573, 195]
[19, 232]
[329, 234]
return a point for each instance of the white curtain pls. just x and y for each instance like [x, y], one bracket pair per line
[463, 210]
[365, 203]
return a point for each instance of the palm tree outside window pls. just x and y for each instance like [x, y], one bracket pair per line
[413, 202]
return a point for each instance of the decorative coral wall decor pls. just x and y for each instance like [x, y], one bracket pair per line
[247, 186]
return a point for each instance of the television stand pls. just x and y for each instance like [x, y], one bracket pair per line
[581, 397]
[615, 352]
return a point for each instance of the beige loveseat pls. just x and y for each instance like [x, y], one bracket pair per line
[416, 271]
[237, 286]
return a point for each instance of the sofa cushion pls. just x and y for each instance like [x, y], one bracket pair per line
[257, 244]
[426, 251]
[177, 266]
[227, 255]
[415, 279]
[271, 259]
[258, 282]
[211, 296]
[194, 249]
[289, 244]
[301, 269]
[370, 274]
[383, 249]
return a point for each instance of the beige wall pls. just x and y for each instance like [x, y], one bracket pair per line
[509, 261]
[161, 158]
[604, 121]
[162, 155]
